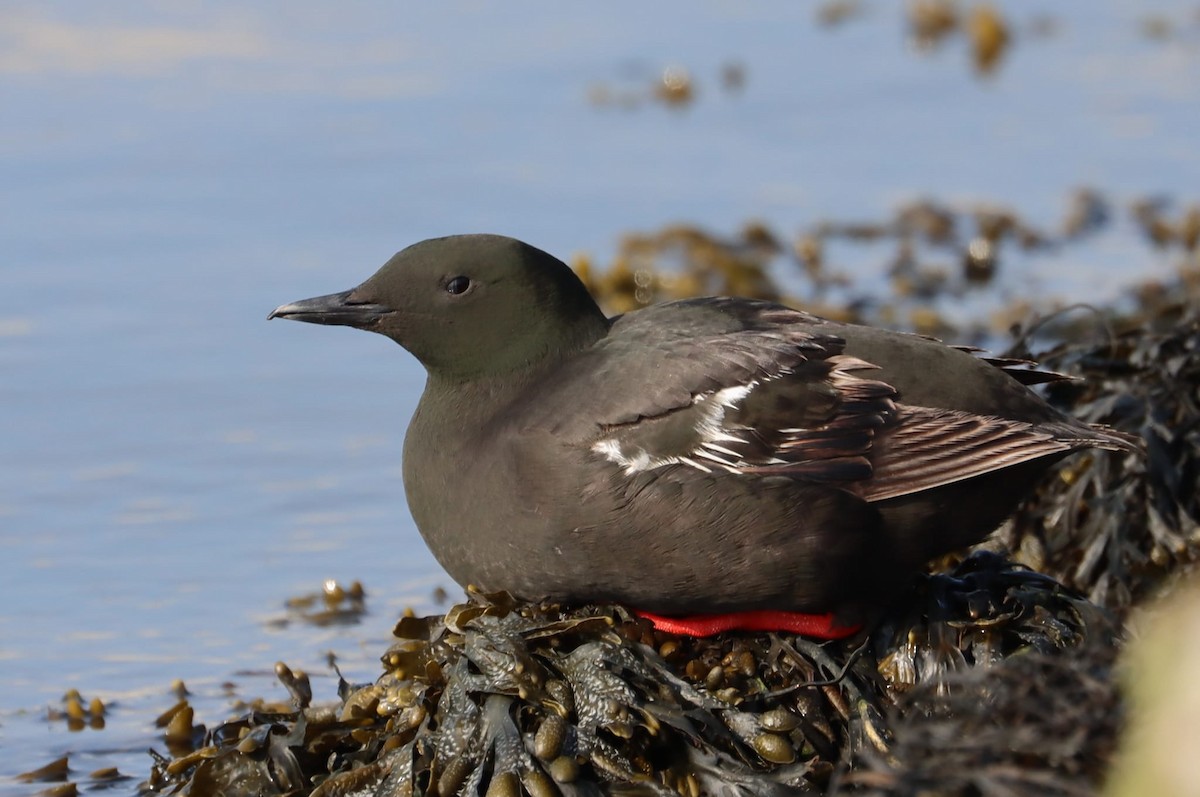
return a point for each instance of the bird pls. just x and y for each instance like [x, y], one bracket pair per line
[713, 464]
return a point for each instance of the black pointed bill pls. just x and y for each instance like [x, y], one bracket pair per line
[335, 309]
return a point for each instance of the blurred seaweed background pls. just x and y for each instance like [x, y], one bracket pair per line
[188, 495]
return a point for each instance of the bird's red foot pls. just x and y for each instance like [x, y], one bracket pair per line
[822, 626]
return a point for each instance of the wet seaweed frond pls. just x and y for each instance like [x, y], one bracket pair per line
[498, 697]
[1037, 723]
[334, 604]
[929, 251]
[1114, 526]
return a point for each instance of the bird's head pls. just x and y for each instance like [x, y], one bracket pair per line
[467, 306]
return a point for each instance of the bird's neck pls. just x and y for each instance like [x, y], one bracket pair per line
[468, 404]
[452, 402]
[458, 396]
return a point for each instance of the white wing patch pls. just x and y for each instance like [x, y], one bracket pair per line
[709, 427]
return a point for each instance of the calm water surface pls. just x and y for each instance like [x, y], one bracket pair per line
[172, 467]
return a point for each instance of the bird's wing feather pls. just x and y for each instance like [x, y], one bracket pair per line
[665, 358]
[753, 389]
[718, 384]
[930, 447]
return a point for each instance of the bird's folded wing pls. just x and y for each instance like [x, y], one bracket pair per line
[929, 447]
[755, 391]
[671, 357]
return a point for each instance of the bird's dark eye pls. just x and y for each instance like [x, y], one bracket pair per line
[458, 285]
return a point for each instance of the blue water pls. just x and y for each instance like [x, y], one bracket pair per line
[172, 467]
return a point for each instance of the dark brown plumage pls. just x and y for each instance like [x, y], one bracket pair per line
[701, 456]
